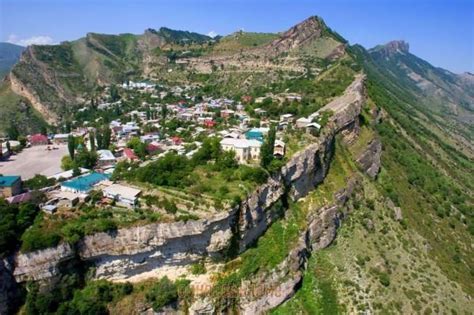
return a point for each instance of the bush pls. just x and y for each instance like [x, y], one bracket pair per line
[162, 293]
[384, 279]
[198, 268]
[38, 182]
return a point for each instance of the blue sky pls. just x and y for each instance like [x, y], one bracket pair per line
[442, 32]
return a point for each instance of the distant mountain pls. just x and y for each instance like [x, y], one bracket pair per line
[9, 55]
[441, 90]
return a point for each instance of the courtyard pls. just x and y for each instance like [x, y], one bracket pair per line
[35, 160]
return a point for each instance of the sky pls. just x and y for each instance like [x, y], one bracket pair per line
[441, 32]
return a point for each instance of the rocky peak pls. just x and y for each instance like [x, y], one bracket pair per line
[392, 48]
[299, 34]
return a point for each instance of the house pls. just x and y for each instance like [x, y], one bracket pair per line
[83, 184]
[66, 199]
[38, 139]
[313, 127]
[105, 158]
[209, 123]
[260, 112]
[176, 140]
[303, 122]
[153, 148]
[286, 118]
[279, 149]
[60, 138]
[245, 150]
[20, 198]
[10, 186]
[129, 155]
[49, 209]
[226, 113]
[123, 195]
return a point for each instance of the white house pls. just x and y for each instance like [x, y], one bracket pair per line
[245, 150]
[106, 158]
[303, 122]
[123, 195]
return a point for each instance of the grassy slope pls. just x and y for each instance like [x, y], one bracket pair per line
[422, 264]
[11, 113]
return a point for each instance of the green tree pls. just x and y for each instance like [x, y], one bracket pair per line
[71, 146]
[107, 137]
[164, 111]
[114, 94]
[67, 163]
[38, 182]
[92, 140]
[99, 138]
[13, 132]
[85, 159]
[266, 150]
[163, 292]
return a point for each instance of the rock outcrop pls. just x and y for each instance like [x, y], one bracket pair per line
[9, 290]
[369, 160]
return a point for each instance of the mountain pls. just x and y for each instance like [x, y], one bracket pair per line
[374, 215]
[56, 79]
[9, 55]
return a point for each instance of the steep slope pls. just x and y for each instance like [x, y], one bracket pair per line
[406, 248]
[9, 55]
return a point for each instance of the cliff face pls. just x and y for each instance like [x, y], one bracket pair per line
[142, 250]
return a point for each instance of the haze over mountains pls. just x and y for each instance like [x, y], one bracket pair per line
[375, 215]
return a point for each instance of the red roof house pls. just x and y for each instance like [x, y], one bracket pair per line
[209, 123]
[152, 148]
[129, 154]
[176, 140]
[38, 139]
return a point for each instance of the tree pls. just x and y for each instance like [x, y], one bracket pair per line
[92, 140]
[107, 137]
[164, 111]
[38, 182]
[266, 150]
[114, 95]
[13, 132]
[71, 145]
[67, 163]
[85, 159]
[44, 130]
[76, 171]
[100, 141]
[22, 141]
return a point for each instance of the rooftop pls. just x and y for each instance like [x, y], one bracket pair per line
[85, 183]
[8, 181]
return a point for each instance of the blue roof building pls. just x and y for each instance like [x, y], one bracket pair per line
[84, 183]
[8, 181]
[10, 186]
[254, 134]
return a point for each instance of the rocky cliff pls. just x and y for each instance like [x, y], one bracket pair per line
[145, 250]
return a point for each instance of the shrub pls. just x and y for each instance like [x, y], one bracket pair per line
[198, 268]
[162, 293]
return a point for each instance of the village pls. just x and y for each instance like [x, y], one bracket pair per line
[84, 157]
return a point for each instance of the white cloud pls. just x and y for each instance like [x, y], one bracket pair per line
[212, 34]
[34, 40]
